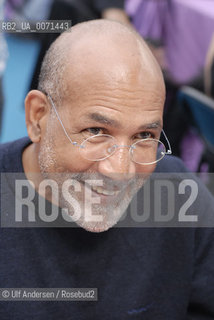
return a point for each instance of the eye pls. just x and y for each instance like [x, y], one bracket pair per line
[146, 135]
[94, 131]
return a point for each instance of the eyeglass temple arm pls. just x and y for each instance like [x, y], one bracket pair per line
[58, 117]
[169, 151]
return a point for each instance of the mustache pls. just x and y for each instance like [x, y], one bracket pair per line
[116, 181]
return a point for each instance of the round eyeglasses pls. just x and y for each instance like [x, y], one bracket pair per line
[102, 146]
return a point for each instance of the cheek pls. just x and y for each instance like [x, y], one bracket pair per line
[71, 161]
[58, 155]
[145, 170]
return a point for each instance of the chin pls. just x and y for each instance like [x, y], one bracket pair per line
[96, 227]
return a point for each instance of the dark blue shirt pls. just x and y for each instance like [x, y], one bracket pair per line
[140, 273]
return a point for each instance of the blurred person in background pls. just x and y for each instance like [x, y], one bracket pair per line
[3, 59]
[209, 70]
[27, 10]
[178, 33]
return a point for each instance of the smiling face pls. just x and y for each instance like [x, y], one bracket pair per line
[110, 91]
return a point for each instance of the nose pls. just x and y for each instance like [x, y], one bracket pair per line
[118, 166]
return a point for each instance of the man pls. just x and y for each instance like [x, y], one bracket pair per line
[94, 126]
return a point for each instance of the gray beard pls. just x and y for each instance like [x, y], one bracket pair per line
[95, 217]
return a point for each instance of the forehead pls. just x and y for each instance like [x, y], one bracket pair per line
[114, 81]
[110, 59]
[120, 106]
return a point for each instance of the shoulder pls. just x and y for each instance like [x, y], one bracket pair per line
[171, 164]
[11, 154]
[189, 191]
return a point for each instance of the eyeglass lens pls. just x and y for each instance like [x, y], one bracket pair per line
[103, 146]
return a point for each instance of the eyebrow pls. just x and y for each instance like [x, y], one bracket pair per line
[103, 119]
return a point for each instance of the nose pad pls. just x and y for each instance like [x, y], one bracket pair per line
[119, 165]
[111, 149]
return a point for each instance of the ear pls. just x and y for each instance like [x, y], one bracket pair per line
[36, 111]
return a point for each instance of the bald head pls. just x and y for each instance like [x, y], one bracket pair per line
[101, 49]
